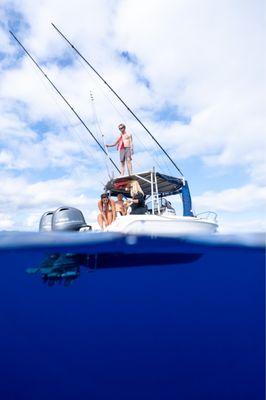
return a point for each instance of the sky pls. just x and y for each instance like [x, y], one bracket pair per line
[194, 73]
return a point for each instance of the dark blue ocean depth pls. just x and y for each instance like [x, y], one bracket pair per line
[145, 319]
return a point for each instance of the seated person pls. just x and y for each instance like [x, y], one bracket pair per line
[107, 211]
[138, 200]
[120, 206]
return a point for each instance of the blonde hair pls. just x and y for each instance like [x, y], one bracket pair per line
[135, 188]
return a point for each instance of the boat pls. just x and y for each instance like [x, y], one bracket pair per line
[160, 216]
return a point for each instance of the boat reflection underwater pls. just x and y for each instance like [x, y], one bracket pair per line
[64, 268]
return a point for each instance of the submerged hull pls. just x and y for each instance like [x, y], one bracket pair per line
[169, 225]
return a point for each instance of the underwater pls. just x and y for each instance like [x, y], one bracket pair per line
[92, 315]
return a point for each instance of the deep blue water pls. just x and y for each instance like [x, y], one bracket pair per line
[189, 324]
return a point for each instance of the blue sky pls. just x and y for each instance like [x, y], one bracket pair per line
[192, 71]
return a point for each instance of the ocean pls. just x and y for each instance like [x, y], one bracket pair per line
[107, 316]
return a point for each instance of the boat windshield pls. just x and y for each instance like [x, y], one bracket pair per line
[165, 207]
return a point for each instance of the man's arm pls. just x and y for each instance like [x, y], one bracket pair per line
[112, 145]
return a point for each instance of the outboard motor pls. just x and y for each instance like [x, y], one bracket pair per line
[46, 222]
[68, 219]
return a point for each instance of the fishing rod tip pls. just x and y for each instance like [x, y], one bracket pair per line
[13, 35]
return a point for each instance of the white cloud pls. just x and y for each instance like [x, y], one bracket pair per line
[7, 221]
[235, 200]
[239, 210]
[206, 57]
[252, 225]
[25, 201]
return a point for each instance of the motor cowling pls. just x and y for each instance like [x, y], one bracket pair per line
[63, 219]
[67, 219]
[46, 222]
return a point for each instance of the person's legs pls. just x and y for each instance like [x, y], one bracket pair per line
[100, 220]
[128, 157]
[122, 160]
[109, 217]
[129, 166]
[122, 167]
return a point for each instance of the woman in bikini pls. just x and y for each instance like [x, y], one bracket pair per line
[107, 211]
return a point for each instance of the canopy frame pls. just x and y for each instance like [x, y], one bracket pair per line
[154, 185]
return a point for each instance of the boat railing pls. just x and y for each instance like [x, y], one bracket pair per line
[209, 215]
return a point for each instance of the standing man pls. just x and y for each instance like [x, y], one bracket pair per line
[124, 145]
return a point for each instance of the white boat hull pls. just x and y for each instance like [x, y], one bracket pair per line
[170, 225]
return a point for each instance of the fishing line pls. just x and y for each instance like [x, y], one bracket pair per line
[159, 158]
[114, 92]
[151, 146]
[118, 112]
[71, 126]
[65, 100]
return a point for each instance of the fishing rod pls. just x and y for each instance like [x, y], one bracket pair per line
[65, 100]
[122, 101]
